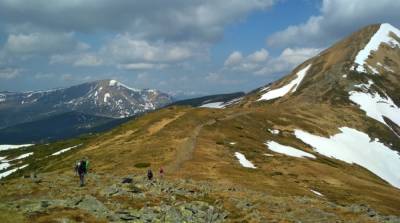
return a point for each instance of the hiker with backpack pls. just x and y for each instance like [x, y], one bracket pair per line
[149, 174]
[161, 172]
[81, 169]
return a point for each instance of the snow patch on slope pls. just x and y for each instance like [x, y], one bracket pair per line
[353, 146]
[106, 96]
[119, 84]
[64, 150]
[23, 156]
[317, 193]
[376, 106]
[221, 104]
[113, 83]
[287, 150]
[243, 161]
[233, 101]
[4, 166]
[381, 36]
[274, 131]
[365, 86]
[290, 87]
[4, 174]
[2, 97]
[213, 105]
[7, 147]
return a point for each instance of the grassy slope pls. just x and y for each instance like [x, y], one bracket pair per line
[195, 144]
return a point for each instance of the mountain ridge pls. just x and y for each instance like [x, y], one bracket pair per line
[108, 98]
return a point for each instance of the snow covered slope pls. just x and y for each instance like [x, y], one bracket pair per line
[377, 107]
[354, 83]
[353, 146]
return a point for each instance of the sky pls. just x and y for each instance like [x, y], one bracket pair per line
[195, 47]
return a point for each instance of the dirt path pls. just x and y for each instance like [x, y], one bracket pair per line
[186, 149]
[156, 127]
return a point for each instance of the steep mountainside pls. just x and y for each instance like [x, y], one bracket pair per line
[370, 55]
[319, 145]
[360, 72]
[108, 98]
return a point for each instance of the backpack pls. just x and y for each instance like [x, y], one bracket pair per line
[86, 166]
[82, 167]
[150, 174]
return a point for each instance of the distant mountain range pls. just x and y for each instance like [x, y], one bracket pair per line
[108, 98]
[41, 116]
[67, 112]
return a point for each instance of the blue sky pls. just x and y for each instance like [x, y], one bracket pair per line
[177, 46]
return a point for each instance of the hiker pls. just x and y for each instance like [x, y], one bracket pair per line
[76, 167]
[81, 169]
[149, 174]
[161, 172]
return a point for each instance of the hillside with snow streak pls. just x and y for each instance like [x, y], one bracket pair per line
[384, 35]
[288, 88]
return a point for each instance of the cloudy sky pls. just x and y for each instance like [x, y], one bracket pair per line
[195, 47]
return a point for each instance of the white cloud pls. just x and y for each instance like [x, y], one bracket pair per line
[287, 60]
[88, 60]
[76, 78]
[259, 62]
[219, 78]
[127, 52]
[9, 73]
[141, 66]
[128, 49]
[234, 59]
[337, 18]
[40, 42]
[298, 55]
[237, 62]
[174, 20]
[258, 56]
[129, 35]
[77, 59]
[44, 75]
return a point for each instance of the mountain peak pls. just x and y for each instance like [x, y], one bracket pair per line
[112, 83]
[360, 71]
[331, 75]
[385, 34]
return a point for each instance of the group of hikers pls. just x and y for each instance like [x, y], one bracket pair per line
[82, 167]
[150, 173]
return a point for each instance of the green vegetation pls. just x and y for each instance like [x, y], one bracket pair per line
[142, 165]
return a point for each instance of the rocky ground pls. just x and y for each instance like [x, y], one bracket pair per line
[58, 198]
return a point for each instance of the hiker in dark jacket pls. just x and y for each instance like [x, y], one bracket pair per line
[161, 172]
[149, 174]
[81, 169]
